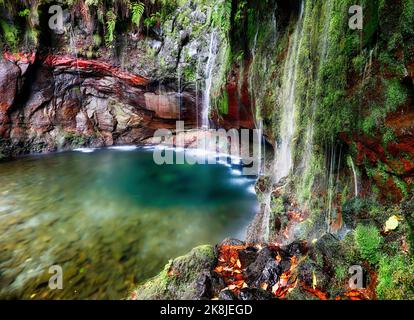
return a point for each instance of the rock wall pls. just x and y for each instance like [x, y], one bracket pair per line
[75, 88]
[59, 103]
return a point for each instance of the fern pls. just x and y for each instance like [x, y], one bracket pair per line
[110, 24]
[221, 16]
[10, 34]
[137, 12]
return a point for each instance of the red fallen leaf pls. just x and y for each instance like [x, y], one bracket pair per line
[356, 295]
[316, 292]
[229, 267]
[238, 276]
[239, 283]
[219, 269]
[353, 293]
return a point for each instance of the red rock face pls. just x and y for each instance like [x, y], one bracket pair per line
[94, 67]
[397, 155]
[9, 75]
[240, 109]
[82, 101]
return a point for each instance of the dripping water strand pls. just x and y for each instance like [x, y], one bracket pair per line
[324, 44]
[212, 54]
[72, 42]
[284, 161]
[283, 158]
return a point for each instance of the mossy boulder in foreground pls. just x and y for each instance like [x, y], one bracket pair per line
[189, 277]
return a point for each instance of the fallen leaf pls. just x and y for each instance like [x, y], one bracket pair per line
[391, 224]
[314, 280]
[238, 263]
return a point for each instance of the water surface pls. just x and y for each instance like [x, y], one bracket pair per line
[110, 218]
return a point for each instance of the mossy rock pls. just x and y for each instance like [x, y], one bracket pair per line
[189, 277]
[395, 278]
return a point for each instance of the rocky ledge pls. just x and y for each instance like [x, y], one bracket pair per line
[235, 270]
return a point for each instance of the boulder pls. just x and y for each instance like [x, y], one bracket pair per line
[189, 277]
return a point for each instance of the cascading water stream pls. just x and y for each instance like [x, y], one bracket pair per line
[74, 50]
[197, 93]
[257, 120]
[212, 55]
[324, 45]
[284, 160]
[355, 176]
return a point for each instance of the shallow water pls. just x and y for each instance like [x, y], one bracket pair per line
[110, 219]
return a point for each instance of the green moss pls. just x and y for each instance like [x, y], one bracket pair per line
[75, 140]
[395, 95]
[278, 207]
[368, 241]
[10, 34]
[395, 278]
[223, 103]
[97, 40]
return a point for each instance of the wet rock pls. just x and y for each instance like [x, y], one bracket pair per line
[296, 248]
[329, 246]
[254, 294]
[310, 269]
[209, 285]
[231, 242]
[248, 256]
[227, 295]
[264, 269]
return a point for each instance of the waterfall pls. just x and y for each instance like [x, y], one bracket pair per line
[72, 42]
[197, 93]
[284, 160]
[179, 92]
[259, 131]
[257, 118]
[212, 54]
[355, 176]
[308, 147]
[368, 67]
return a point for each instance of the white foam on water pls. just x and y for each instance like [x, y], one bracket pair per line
[84, 150]
[251, 189]
[123, 148]
[236, 172]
